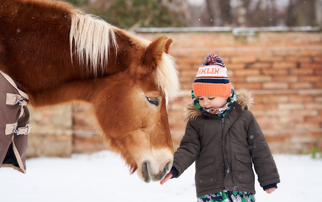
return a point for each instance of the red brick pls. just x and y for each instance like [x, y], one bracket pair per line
[310, 78]
[301, 99]
[235, 65]
[226, 53]
[285, 52]
[311, 65]
[199, 54]
[258, 78]
[317, 59]
[184, 66]
[251, 86]
[291, 106]
[270, 59]
[302, 71]
[291, 119]
[285, 78]
[301, 85]
[298, 59]
[261, 65]
[313, 119]
[277, 138]
[252, 52]
[274, 99]
[318, 71]
[191, 61]
[284, 65]
[188, 73]
[274, 71]
[318, 99]
[305, 112]
[257, 99]
[264, 106]
[275, 85]
[318, 85]
[310, 52]
[186, 80]
[244, 59]
[247, 72]
[238, 79]
[316, 106]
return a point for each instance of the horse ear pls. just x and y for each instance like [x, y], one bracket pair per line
[167, 45]
[154, 52]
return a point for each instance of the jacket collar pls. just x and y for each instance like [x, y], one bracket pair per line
[244, 102]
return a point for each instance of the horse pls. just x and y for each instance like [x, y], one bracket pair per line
[59, 54]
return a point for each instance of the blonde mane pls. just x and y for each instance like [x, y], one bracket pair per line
[167, 76]
[91, 38]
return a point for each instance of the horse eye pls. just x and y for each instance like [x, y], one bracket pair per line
[153, 100]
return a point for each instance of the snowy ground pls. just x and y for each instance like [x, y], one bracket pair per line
[102, 177]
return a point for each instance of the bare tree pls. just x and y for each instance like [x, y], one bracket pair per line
[236, 13]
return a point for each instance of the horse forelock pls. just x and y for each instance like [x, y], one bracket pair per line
[92, 39]
[167, 77]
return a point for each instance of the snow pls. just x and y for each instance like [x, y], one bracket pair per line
[103, 176]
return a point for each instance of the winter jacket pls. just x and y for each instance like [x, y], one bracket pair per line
[224, 150]
[14, 124]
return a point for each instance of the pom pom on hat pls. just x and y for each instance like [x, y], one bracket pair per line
[212, 58]
[212, 79]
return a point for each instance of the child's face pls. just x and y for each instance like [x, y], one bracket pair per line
[212, 102]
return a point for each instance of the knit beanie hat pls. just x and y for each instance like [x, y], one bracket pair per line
[212, 79]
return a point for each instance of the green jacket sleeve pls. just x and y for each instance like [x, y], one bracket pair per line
[262, 158]
[188, 151]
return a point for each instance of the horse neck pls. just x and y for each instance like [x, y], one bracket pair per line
[77, 83]
[42, 64]
[78, 90]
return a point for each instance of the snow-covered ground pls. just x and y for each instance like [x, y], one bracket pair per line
[103, 177]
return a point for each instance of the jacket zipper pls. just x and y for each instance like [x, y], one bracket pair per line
[223, 149]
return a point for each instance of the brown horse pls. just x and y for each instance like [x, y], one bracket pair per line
[59, 54]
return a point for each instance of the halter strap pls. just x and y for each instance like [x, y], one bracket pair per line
[13, 99]
[12, 128]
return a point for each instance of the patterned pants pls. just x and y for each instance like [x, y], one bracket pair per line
[228, 196]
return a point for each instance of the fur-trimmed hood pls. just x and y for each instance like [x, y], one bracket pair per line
[244, 98]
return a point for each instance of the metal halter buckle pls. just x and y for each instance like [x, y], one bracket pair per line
[20, 101]
[16, 130]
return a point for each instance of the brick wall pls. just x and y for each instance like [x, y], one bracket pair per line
[52, 131]
[282, 69]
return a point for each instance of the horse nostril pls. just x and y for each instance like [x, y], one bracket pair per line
[166, 167]
[145, 171]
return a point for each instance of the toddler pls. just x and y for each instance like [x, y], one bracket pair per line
[224, 140]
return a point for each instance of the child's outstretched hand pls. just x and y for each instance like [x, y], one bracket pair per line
[166, 178]
[270, 190]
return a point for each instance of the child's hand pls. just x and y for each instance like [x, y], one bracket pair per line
[270, 190]
[166, 178]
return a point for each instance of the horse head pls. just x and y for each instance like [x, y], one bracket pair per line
[131, 109]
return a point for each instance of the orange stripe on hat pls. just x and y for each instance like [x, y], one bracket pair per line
[211, 89]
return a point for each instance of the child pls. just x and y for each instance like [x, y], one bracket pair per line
[224, 139]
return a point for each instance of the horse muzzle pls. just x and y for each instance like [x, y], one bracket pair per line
[154, 169]
[148, 175]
